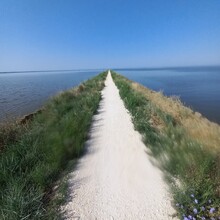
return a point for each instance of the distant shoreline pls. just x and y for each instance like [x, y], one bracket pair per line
[47, 71]
[191, 68]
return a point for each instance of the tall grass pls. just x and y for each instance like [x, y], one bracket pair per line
[192, 169]
[34, 154]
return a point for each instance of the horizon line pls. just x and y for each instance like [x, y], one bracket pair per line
[115, 68]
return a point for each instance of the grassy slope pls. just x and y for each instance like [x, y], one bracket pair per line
[188, 152]
[33, 155]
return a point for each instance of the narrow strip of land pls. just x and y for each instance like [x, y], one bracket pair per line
[116, 179]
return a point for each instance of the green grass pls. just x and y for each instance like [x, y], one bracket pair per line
[190, 168]
[35, 154]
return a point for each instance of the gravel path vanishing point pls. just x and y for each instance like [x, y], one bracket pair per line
[115, 179]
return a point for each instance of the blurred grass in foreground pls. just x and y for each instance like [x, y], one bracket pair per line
[32, 155]
[186, 145]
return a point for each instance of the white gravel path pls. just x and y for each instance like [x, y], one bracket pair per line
[115, 179]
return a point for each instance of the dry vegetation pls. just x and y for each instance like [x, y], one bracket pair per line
[197, 126]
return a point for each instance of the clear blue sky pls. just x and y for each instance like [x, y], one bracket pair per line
[69, 34]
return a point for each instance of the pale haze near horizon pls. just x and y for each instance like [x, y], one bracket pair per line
[45, 35]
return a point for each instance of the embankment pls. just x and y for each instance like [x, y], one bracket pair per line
[186, 145]
[33, 154]
[116, 178]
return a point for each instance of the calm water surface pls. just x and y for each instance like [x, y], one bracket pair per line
[198, 88]
[23, 93]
